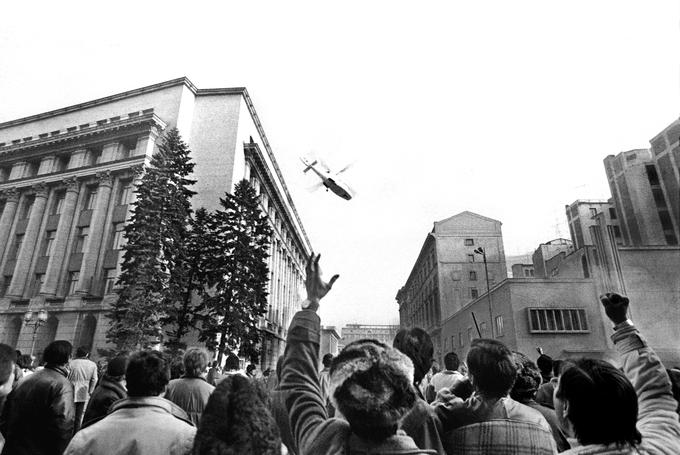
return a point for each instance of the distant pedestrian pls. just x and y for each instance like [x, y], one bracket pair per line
[547, 389]
[446, 378]
[38, 415]
[545, 365]
[110, 389]
[83, 376]
[191, 391]
[325, 383]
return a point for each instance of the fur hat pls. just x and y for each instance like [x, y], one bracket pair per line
[371, 384]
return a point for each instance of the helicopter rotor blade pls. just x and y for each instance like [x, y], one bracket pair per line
[345, 168]
[314, 187]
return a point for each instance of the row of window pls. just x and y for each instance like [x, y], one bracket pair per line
[110, 277]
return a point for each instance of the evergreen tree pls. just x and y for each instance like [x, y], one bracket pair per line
[236, 274]
[153, 272]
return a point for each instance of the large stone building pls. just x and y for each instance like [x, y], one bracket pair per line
[67, 181]
[448, 273]
[354, 332]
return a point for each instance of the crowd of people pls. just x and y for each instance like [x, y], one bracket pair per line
[371, 398]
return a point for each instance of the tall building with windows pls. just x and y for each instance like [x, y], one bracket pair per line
[67, 184]
[448, 273]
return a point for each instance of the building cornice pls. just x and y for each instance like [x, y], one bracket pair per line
[145, 118]
[108, 99]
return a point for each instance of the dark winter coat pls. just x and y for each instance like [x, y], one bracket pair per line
[39, 414]
[104, 395]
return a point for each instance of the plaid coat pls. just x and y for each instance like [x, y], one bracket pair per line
[500, 436]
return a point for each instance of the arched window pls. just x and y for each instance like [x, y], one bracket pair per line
[46, 335]
[85, 333]
[12, 330]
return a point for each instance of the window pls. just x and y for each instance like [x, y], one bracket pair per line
[5, 285]
[526, 273]
[61, 163]
[469, 334]
[83, 232]
[124, 192]
[471, 257]
[91, 197]
[469, 242]
[37, 284]
[499, 326]
[95, 156]
[473, 275]
[58, 203]
[652, 175]
[18, 241]
[482, 328]
[118, 236]
[461, 342]
[32, 168]
[73, 278]
[612, 213]
[474, 293]
[110, 281]
[48, 243]
[593, 211]
[28, 205]
[557, 320]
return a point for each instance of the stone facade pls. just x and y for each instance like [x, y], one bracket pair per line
[67, 180]
[383, 333]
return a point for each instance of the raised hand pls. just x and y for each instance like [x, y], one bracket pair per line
[616, 307]
[316, 287]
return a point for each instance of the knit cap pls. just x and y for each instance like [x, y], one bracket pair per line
[371, 384]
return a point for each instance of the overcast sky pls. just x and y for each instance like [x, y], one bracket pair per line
[502, 108]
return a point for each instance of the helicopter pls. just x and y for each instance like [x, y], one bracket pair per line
[331, 182]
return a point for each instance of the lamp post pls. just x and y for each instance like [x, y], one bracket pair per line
[40, 320]
[481, 251]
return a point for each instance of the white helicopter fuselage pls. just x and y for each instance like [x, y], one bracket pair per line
[328, 180]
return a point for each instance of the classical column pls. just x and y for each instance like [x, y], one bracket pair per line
[55, 263]
[23, 264]
[7, 218]
[93, 243]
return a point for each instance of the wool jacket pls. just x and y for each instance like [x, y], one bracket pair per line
[657, 420]
[39, 414]
[104, 395]
[485, 422]
[190, 394]
[314, 432]
[137, 426]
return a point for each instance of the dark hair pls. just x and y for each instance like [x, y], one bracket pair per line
[556, 367]
[82, 352]
[8, 357]
[232, 362]
[236, 421]
[528, 379]
[327, 360]
[195, 362]
[374, 400]
[417, 345]
[545, 364]
[147, 374]
[603, 405]
[57, 353]
[462, 389]
[491, 366]
[279, 367]
[25, 361]
[250, 368]
[451, 361]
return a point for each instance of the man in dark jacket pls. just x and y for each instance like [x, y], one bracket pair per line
[39, 414]
[111, 388]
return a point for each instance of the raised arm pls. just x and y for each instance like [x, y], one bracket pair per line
[657, 419]
[299, 376]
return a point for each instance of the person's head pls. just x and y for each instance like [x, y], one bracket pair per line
[236, 421]
[528, 379]
[250, 369]
[556, 367]
[232, 362]
[25, 361]
[115, 369]
[451, 361]
[417, 345]
[196, 362]
[596, 403]
[371, 385]
[82, 352]
[147, 374]
[545, 365]
[491, 368]
[462, 388]
[57, 353]
[8, 358]
[327, 360]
